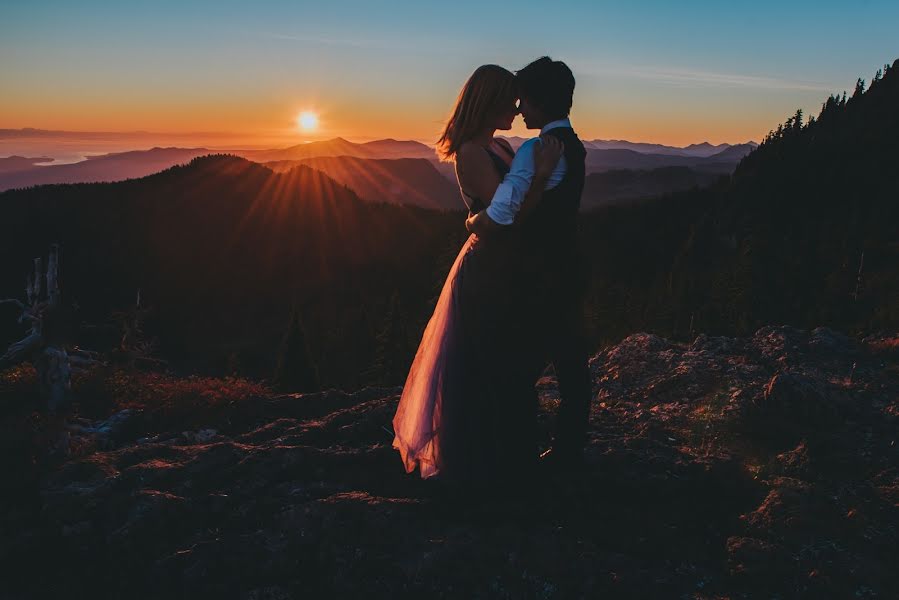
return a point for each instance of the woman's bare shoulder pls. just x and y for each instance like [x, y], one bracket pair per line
[471, 155]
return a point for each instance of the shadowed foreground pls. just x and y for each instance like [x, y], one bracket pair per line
[728, 468]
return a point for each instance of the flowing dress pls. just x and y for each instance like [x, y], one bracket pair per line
[454, 415]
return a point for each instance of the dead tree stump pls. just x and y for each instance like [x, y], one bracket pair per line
[45, 343]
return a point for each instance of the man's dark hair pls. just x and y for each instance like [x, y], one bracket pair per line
[549, 85]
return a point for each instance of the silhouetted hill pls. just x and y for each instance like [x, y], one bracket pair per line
[411, 181]
[391, 148]
[448, 170]
[21, 163]
[704, 149]
[696, 150]
[221, 246]
[733, 153]
[807, 230]
[617, 186]
[803, 233]
[614, 159]
[514, 140]
[341, 147]
[106, 167]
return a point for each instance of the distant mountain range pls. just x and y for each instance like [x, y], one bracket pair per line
[20, 163]
[723, 162]
[703, 149]
[625, 185]
[403, 171]
[31, 132]
[107, 167]
[388, 148]
[617, 155]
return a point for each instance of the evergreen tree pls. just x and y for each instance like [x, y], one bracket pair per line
[233, 366]
[295, 371]
[362, 347]
[804, 206]
[391, 361]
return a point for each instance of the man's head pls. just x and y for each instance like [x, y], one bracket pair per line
[546, 88]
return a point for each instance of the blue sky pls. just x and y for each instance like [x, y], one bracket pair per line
[662, 71]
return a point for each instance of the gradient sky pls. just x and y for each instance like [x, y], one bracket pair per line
[670, 72]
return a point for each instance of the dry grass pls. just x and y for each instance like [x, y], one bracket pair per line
[162, 401]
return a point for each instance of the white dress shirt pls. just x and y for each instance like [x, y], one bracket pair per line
[510, 194]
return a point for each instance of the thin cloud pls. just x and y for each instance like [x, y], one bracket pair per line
[691, 77]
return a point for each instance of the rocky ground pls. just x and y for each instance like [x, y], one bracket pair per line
[728, 468]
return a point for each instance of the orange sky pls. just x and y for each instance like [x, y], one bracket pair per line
[260, 120]
[669, 73]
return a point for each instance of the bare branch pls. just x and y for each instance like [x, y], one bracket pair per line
[13, 301]
[22, 349]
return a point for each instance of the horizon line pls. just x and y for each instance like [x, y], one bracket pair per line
[351, 139]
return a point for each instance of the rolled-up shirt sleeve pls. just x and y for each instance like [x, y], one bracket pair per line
[511, 192]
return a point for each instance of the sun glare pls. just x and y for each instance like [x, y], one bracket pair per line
[307, 121]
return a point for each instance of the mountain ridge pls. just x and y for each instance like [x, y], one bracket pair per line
[406, 181]
[699, 150]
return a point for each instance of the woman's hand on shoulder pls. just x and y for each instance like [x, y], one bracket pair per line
[546, 155]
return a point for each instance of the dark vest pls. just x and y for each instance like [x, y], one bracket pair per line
[550, 231]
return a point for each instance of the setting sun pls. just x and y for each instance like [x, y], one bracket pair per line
[307, 121]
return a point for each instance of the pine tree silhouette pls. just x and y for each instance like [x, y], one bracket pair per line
[802, 208]
[295, 371]
[391, 361]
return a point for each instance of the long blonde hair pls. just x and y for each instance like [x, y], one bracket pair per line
[486, 95]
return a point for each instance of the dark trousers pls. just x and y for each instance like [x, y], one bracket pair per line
[566, 348]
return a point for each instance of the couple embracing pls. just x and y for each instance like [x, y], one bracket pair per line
[512, 301]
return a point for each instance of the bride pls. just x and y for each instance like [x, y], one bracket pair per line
[455, 417]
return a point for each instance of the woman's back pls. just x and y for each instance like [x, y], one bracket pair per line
[500, 154]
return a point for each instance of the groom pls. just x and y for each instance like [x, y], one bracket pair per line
[551, 253]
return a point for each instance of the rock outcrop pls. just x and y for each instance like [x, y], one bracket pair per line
[729, 467]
